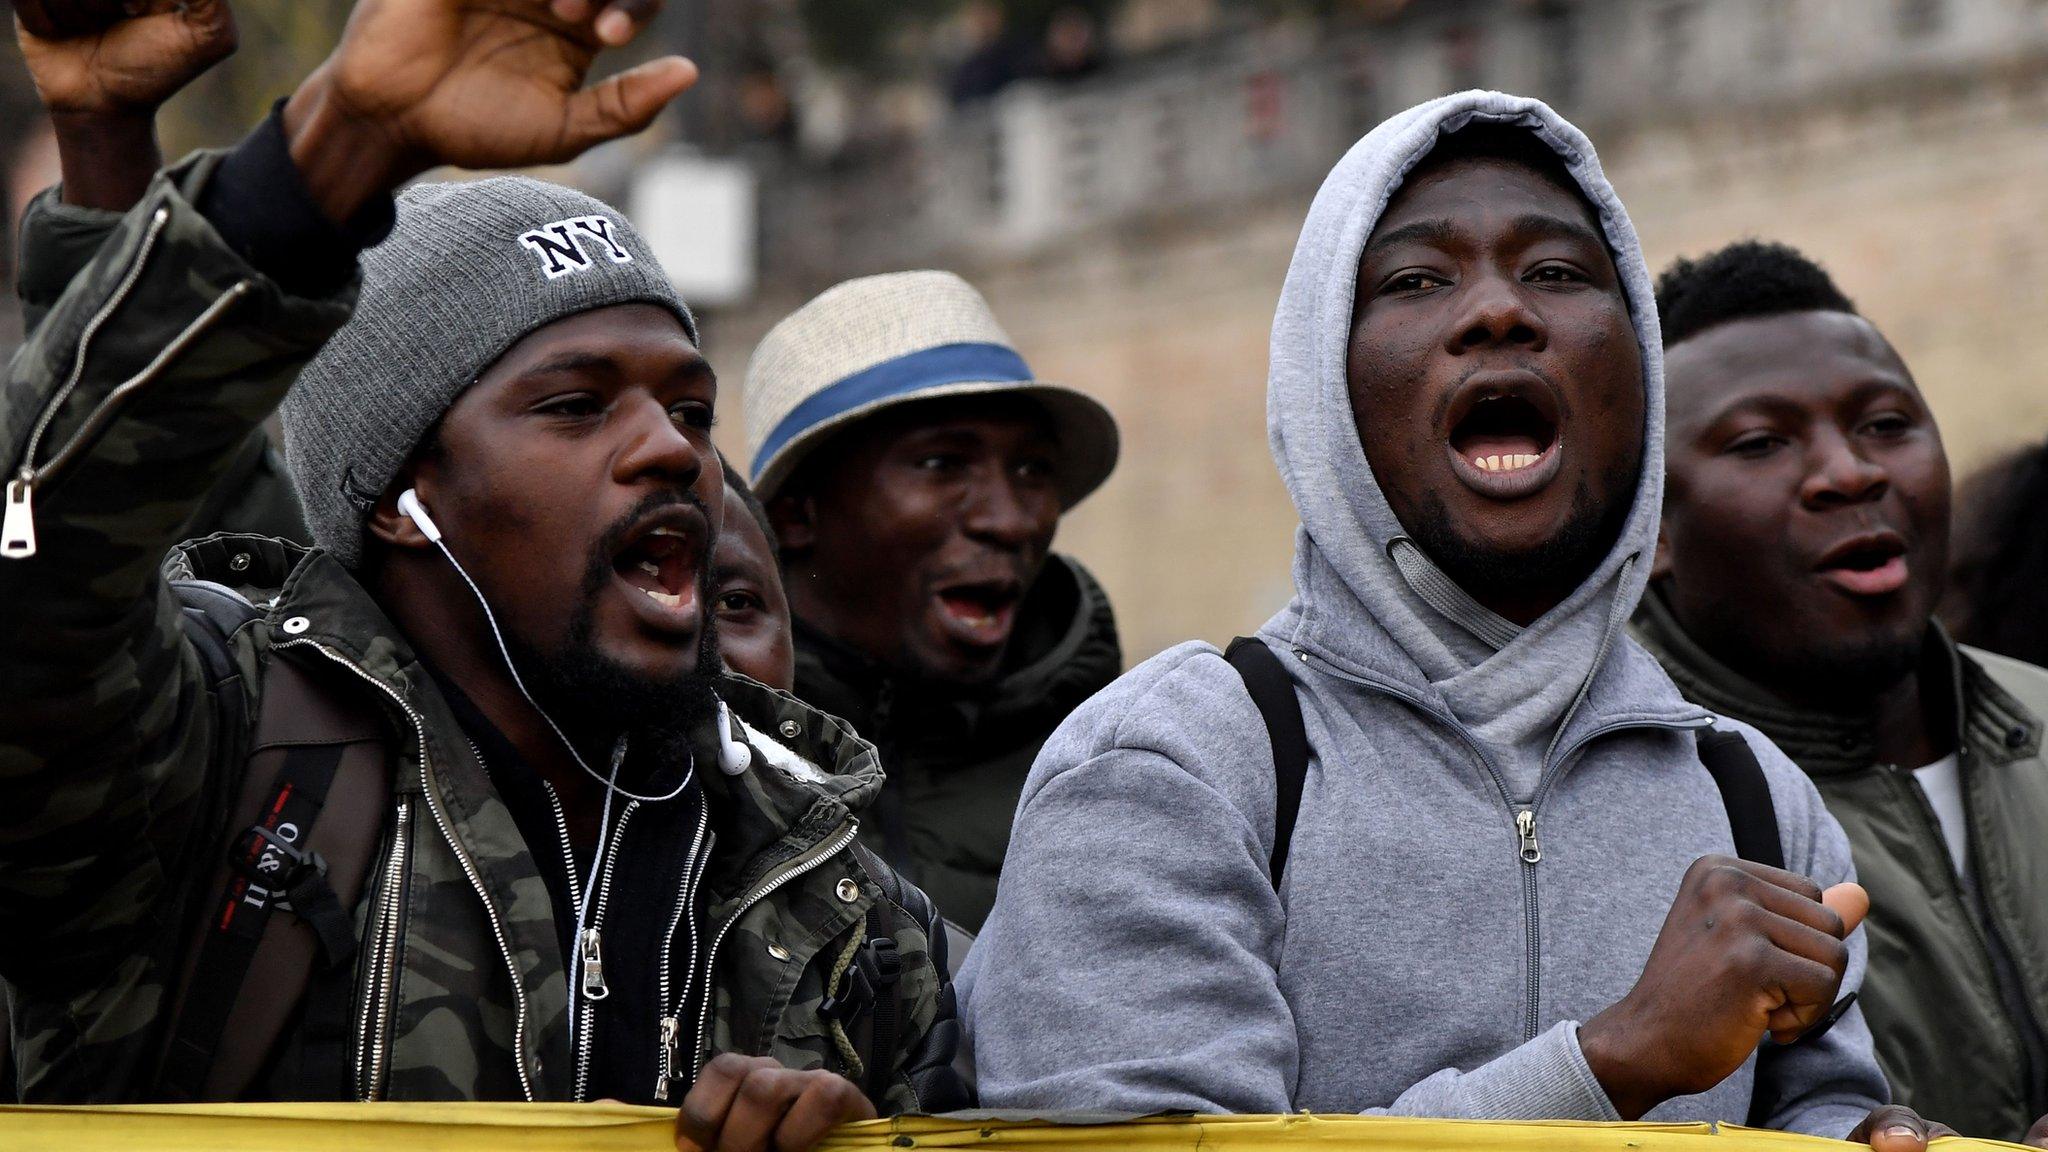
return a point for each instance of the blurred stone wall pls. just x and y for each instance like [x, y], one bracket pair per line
[1925, 197]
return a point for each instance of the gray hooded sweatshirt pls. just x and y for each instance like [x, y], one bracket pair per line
[1138, 959]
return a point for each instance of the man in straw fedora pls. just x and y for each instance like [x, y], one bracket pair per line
[916, 472]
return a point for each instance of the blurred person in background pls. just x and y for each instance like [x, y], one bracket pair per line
[102, 91]
[1803, 550]
[916, 472]
[995, 57]
[1998, 574]
[1511, 891]
[1072, 48]
[754, 631]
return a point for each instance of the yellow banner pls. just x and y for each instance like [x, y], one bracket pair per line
[621, 1128]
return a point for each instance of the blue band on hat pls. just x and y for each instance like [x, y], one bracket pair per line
[906, 374]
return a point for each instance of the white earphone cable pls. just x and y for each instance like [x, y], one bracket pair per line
[611, 785]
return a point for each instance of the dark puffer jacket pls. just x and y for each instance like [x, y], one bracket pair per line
[956, 757]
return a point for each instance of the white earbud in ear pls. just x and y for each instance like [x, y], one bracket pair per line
[733, 754]
[409, 503]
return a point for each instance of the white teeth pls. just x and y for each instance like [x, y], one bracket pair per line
[651, 568]
[665, 599]
[1508, 462]
[666, 532]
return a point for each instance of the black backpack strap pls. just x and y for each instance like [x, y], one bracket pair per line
[879, 1061]
[270, 872]
[304, 807]
[213, 614]
[1272, 690]
[866, 1002]
[1753, 818]
[1745, 794]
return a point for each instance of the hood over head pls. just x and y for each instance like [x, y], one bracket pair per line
[1354, 564]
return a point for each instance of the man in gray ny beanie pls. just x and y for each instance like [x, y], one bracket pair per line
[469, 269]
[549, 848]
[508, 446]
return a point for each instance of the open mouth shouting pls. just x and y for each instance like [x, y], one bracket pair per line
[980, 613]
[1867, 564]
[659, 563]
[1503, 434]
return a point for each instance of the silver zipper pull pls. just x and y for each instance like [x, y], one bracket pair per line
[1525, 825]
[671, 1034]
[593, 967]
[18, 529]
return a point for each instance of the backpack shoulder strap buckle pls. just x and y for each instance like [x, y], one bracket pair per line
[265, 857]
[880, 952]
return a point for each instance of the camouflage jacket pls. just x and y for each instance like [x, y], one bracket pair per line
[118, 414]
[56, 242]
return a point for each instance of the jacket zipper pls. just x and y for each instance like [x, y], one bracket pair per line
[590, 955]
[17, 524]
[469, 869]
[1964, 761]
[837, 844]
[669, 1056]
[1528, 849]
[382, 975]
[561, 830]
[1524, 816]
[1932, 826]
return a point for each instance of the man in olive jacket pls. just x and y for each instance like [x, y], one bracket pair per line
[1803, 549]
[504, 447]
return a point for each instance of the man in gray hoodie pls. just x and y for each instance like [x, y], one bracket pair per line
[1511, 891]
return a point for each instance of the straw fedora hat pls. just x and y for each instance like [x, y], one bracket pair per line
[881, 341]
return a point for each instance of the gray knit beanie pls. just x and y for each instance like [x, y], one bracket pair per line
[467, 271]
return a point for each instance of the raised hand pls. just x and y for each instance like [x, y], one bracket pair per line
[102, 68]
[126, 67]
[474, 83]
[1745, 951]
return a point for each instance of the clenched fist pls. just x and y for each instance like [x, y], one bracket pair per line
[1745, 951]
[753, 1104]
[111, 59]
[102, 69]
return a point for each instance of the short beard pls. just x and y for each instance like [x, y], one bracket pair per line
[596, 699]
[1844, 675]
[1857, 669]
[1561, 562]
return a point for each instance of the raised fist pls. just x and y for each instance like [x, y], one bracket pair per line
[1745, 951]
[105, 58]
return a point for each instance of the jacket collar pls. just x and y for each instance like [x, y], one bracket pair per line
[810, 773]
[1989, 724]
[783, 805]
[1627, 689]
[817, 774]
